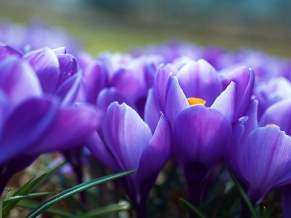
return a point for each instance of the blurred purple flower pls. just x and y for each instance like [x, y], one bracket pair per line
[35, 35]
[129, 77]
[271, 92]
[37, 110]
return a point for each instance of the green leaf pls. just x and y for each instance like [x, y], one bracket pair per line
[21, 197]
[244, 196]
[52, 210]
[74, 190]
[28, 186]
[123, 205]
[25, 189]
[194, 209]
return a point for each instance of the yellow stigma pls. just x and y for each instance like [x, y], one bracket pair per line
[194, 101]
[272, 124]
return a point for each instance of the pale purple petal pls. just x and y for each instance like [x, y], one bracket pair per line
[68, 90]
[131, 81]
[265, 157]
[200, 136]
[107, 96]
[226, 102]
[175, 99]
[7, 51]
[95, 81]
[152, 112]
[126, 135]
[59, 51]
[68, 67]
[18, 81]
[154, 157]
[46, 66]
[160, 85]
[100, 152]
[199, 80]
[244, 80]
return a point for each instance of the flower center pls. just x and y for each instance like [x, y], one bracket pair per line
[194, 101]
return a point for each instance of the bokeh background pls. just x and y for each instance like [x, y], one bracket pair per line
[117, 25]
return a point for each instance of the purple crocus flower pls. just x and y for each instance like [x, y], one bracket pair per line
[131, 145]
[200, 132]
[58, 75]
[34, 121]
[265, 162]
[196, 79]
[259, 157]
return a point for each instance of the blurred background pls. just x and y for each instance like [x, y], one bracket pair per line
[117, 25]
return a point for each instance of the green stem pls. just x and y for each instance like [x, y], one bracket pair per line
[5, 194]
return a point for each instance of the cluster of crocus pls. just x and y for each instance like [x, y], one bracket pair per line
[202, 108]
[209, 99]
[39, 111]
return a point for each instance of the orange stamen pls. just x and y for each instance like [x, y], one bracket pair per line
[194, 101]
[272, 124]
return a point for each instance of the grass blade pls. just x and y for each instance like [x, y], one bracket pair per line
[194, 209]
[124, 205]
[244, 196]
[74, 190]
[25, 189]
[48, 174]
[21, 197]
[52, 210]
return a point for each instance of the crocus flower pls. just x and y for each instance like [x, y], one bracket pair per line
[259, 156]
[34, 122]
[61, 70]
[200, 132]
[264, 161]
[131, 145]
[196, 79]
[266, 156]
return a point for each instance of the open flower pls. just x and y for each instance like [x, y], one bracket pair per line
[131, 145]
[198, 80]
